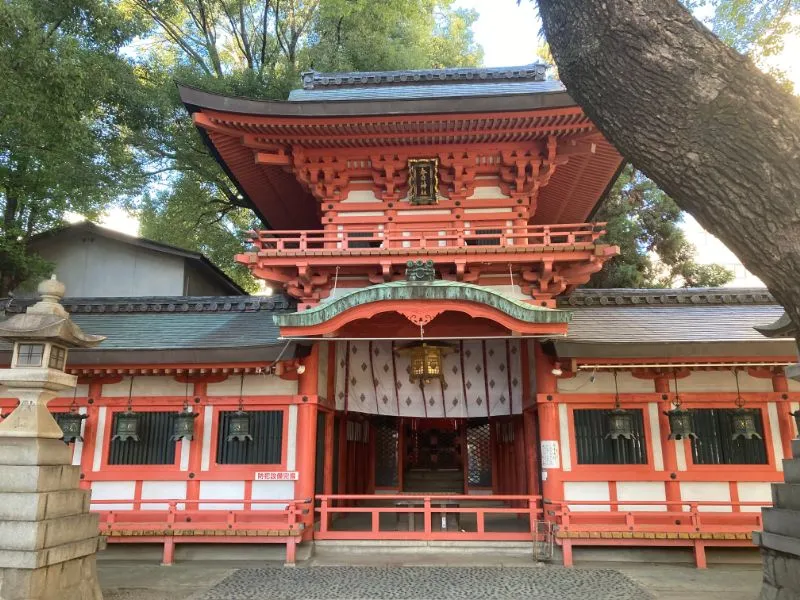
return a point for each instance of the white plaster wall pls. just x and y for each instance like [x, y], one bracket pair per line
[722, 381]
[254, 385]
[356, 196]
[145, 385]
[563, 433]
[754, 491]
[221, 490]
[487, 192]
[647, 491]
[604, 384]
[322, 381]
[794, 386]
[272, 490]
[112, 490]
[97, 266]
[707, 491]
[163, 490]
[587, 490]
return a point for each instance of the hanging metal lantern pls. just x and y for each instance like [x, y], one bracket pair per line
[743, 419]
[239, 427]
[620, 424]
[425, 361]
[126, 426]
[681, 423]
[70, 424]
[183, 426]
[744, 424]
[619, 421]
[239, 422]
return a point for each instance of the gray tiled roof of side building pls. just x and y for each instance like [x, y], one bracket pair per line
[164, 323]
[643, 324]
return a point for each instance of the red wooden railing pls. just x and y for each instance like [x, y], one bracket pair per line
[198, 514]
[341, 505]
[678, 516]
[410, 238]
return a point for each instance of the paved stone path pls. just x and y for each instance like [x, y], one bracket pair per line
[417, 583]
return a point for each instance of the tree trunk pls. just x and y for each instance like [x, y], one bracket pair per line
[714, 132]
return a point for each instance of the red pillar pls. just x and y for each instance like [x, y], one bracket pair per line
[672, 485]
[307, 432]
[547, 408]
[779, 384]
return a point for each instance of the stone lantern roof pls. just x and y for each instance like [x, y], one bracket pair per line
[48, 320]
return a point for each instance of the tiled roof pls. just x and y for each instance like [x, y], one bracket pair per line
[313, 79]
[175, 323]
[661, 297]
[433, 83]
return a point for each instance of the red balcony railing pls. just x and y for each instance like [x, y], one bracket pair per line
[410, 238]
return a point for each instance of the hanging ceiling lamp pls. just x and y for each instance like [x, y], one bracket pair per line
[426, 360]
[681, 424]
[744, 419]
[183, 426]
[126, 425]
[620, 421]
[71, 422]
[239, 422]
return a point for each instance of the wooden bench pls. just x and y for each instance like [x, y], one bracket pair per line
[181, 525]
[687, 527]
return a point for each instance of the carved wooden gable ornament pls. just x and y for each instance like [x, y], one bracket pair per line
[423, 180]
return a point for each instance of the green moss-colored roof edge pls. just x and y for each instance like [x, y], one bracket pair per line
[431, 290]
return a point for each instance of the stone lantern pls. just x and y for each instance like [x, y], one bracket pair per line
[42, 337]
[48, 537]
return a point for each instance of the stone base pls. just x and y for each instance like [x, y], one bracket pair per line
[72, 580]
[781, 576]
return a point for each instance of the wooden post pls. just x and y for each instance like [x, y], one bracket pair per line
[672, 485]
[546, 388]
[781, 385]
[307, 432]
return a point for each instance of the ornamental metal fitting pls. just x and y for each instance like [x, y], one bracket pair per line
[420, 270]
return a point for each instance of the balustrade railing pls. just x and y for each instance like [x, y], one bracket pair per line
[441, 517]
[410, 238]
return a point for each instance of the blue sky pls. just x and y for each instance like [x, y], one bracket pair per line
[508, 32]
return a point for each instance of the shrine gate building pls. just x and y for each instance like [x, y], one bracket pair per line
[429, 368]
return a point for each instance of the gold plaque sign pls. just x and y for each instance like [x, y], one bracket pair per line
[423, 180]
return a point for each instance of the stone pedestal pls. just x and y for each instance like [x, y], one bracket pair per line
[48, 538]
[780, 540]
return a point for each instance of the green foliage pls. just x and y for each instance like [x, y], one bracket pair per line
[654, 252]
[68, 103]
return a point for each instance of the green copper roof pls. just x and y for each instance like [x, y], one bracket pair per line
[429, 290]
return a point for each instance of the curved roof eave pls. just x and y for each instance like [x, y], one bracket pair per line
[196, 99]
[433, 290]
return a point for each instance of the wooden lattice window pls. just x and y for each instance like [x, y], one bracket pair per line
[714, 444]
[154, 446]
[485, 241]
[266, 447]
[479, 454]
[387, 451]
[594, 448]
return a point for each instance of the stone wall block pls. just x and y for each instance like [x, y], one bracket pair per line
[34, 451]
[48, 533]
[786, 495]
[782, 521]
[30, 478]
[796, 448]
[33, 506]
[791, 470]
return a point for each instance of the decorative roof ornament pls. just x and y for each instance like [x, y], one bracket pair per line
[420, 271]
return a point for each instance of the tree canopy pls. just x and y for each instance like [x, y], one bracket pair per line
[68, 107]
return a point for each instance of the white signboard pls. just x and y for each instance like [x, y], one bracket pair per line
[550, 458]
[275, 476]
